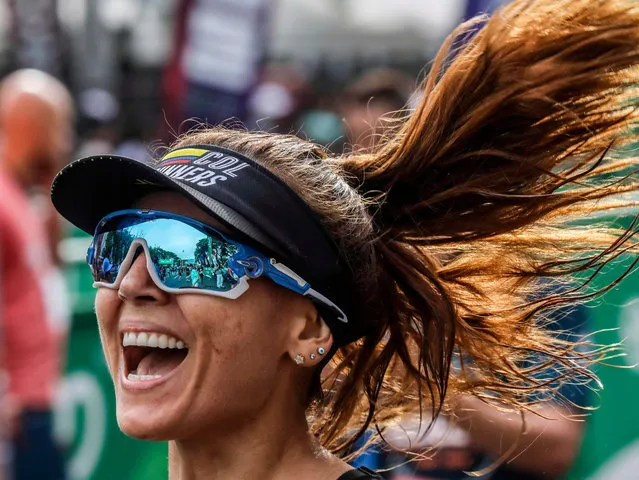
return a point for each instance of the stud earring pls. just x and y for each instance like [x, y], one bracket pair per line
[321, 350]
[312, 355]
[299, 359]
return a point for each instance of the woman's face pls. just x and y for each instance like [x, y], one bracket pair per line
[237, 349]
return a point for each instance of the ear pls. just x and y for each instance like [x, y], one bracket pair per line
[310, 339]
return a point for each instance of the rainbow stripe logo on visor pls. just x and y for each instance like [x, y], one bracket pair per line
[201, 167]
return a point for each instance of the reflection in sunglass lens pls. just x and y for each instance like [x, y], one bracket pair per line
[182, 255]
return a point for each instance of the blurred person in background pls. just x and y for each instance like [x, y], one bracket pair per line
[36, 136]
[285, 101]
[217, 59]
[98, 110]
[277, 101]
[374, 95]
[426, 249]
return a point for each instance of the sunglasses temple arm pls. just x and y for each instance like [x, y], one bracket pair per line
[315, 295]
[293, 281]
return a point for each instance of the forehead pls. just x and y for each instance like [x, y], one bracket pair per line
[175, 203]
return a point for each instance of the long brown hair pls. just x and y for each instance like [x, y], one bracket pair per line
[452, 222]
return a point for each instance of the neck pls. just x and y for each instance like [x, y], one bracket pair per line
[276, 444]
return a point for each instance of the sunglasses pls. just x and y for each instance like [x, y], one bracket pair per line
[186, 256]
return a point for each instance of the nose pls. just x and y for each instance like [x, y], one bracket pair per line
[137, 285]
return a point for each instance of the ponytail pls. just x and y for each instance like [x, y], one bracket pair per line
[529, 106]
[476, 199]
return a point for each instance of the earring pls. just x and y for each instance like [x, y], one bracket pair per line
[321, 350]
[312, 355]
[299, 359]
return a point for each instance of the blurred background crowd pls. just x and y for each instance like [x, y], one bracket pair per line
[82, 77]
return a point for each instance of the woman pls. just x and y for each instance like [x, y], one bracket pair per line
[389, 267]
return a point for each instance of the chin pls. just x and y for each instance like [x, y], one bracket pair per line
[148, 424]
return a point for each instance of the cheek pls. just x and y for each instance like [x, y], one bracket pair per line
[235, 335]
[106, 310]
[240, 348]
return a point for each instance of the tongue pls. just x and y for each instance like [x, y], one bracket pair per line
[160, 362]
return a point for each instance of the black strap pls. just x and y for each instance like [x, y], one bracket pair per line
[361, 473]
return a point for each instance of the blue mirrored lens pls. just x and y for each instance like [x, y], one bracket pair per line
[183, 255]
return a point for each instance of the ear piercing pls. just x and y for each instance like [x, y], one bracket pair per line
[320, 350]
[299, 358]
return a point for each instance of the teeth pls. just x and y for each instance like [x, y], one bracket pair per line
[151, 339]
[141, 378]
[142, 340]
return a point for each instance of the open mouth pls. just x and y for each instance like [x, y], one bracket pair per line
[151, 355]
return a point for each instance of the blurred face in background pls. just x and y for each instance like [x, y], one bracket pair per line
[372, 95]
[37, 140]
[36, 127]
[362, 119]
